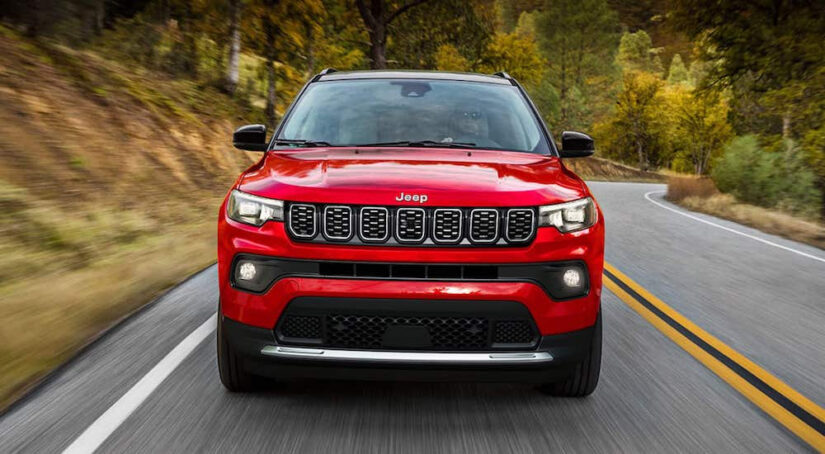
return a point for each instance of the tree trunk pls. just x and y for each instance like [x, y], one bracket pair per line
[232, 73]
[641, 151]
[378, 46]
[786, 129]
[270, 93]
[99, 15]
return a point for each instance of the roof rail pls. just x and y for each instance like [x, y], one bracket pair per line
[324, 72]
[503, 74]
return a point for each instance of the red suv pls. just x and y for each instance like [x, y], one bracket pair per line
[411, 226]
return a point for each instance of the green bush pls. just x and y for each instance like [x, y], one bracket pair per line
[768, 179]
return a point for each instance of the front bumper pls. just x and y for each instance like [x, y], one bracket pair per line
[261, 354]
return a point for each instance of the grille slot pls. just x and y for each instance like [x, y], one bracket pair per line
[300, 327]
[375, 224]
[337, 223]
[484, 226]
[302, 220]
[520, 225]
[447, 225]
[368, 331]
[410, 225]
[514, 332]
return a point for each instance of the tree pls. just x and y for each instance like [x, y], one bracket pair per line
[636, 52]
[377, 17]
[700, 126]
[517, 54]
[637, 126]
[678, 73]
[447, 58]
[579, 39]
[233, 65]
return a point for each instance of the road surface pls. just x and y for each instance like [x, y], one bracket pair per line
[763, 299]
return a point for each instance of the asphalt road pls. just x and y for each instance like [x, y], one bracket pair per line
[766, 302]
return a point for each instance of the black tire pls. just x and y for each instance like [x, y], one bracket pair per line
[584, 379]
[233, 377]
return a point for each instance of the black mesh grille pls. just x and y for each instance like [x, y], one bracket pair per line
[519, 224]
[484, 226]
[302, 220]
[447, 225]
[514, 332]
[374, 224]
[411, 224]
[301, 327]
[338, 223]
[368, 331]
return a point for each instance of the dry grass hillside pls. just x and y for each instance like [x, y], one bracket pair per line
[110, 181]
[600, 169]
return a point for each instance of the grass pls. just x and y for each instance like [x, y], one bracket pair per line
[600, 169]
[700, 194]
[110, 179]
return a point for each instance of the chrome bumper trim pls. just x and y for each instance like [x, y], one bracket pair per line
[407, 357]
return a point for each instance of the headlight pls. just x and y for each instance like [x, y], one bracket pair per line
[570, 216]
[253, 210]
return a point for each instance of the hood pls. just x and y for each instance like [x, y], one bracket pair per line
[448, 177]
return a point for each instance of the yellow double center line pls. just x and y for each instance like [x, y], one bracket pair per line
[790, 408]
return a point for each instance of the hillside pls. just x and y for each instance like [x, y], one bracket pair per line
[110, 180]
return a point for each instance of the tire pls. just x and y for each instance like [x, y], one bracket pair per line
[584, 379]
[233, 377]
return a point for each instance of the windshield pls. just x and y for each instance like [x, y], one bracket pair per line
[414, 113]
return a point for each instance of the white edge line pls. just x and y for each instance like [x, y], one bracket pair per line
[761, 240]
[108, 422]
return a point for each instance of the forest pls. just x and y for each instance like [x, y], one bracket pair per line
[733, 90]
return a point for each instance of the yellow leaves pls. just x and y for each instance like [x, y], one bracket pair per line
[516, 53]
[447, 58]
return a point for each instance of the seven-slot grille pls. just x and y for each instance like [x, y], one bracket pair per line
[411, 225]
[337, 222]
[520, 224]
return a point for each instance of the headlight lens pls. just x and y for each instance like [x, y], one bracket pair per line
[253, 210]
[569, 216]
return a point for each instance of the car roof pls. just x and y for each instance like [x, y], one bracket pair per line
[409, 74]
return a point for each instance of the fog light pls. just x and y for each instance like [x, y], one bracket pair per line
[572, 278]
[247, 272]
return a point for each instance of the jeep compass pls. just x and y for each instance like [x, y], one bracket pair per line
[405, 225]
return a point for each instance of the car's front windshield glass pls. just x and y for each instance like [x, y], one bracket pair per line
[399, 112]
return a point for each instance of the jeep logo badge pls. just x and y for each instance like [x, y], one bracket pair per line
[420, 198]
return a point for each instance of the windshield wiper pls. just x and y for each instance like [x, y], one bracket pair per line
[302, 143]
[419, 143]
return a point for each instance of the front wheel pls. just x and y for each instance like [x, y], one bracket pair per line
[233, 377]
[584, 379]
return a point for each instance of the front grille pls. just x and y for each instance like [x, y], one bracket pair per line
[407, 324]
[411, 226]
[514, 332]
[302, 220]
[375, 224]
[338, 223]
[301, 327]
[484, 226]
[520, 225]
[444, 333]
[447, 225]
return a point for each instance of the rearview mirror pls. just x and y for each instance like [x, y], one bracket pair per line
[576, 145]
[250, 138]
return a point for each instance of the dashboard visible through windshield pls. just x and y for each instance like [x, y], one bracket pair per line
[413, 112]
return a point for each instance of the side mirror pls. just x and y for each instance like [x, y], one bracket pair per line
[576, 145]
[250, 137]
